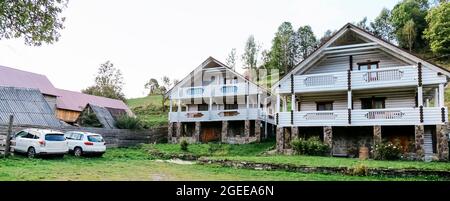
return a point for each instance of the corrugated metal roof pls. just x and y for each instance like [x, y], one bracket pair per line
[76, 101]
[104, 116]
[28, 107]
[10, 77]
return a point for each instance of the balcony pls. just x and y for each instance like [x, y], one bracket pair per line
[215, 91]
[217, 115]
[367, 117]
[361, 79]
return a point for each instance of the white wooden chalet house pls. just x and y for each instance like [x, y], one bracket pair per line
[358, 90]
[215, 103]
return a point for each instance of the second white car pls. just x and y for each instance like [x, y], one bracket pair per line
[85, 143]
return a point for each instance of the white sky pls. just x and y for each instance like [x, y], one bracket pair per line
[150, 39]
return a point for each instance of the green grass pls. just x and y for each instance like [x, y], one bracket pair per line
[317, 161]
[152, 99]
[136, 164]
[215, 149]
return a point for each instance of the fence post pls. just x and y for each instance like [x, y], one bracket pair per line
[8, 136]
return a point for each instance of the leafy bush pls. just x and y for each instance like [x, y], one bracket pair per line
[387, 151]
[184, 145]
[360, 170]
[312, 146]
[89, 120]
[127, 122]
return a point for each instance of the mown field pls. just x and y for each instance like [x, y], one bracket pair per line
[137, 164]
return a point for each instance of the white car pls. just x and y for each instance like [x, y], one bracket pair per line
[40, 142]
[85, 143]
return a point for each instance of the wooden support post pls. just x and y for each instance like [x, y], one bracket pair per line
[441, 95]
[8, 136]
[420, 91]
[277, 106]
[284, 105]
[293, 102]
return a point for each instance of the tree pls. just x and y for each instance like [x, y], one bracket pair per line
[326, 36]
[281, 51]
[160, 88]
[409, 32]
[231, 59]
[308, 41]
[251, 51]
[34, 21]
[108, 82]
[438, 31]
[382, 26]
[363, 24]
[407, 10]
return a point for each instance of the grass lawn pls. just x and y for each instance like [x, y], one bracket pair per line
[137, 164]
[150, 118]
[152, 99]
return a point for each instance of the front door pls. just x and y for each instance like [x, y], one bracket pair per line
[209, 134]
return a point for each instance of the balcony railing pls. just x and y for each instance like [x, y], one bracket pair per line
[215, 90]
[361, 79]
[364, 117]
[217, 115]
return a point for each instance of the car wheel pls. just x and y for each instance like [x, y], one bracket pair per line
[31, 153]
[77, 152]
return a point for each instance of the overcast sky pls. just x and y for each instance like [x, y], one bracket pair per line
[149, 39]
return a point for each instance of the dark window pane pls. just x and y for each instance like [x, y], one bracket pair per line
[203, 107]
[54, 137]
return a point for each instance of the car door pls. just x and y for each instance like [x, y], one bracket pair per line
[70, 140]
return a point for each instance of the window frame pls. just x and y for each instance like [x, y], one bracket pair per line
[372, 102]
[324, 103]
[368, 63]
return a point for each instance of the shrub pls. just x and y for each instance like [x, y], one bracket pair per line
[312, 146]
[127, 122]
[387, 151]
[89, 120]
[360, 170]
[184, 145]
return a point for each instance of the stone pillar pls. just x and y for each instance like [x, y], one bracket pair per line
[170, 132]
[328, 136]
[377, 135]
[247, 128]
[419, 141]
[294, 133]
[258, 130]
[224, 133]
[442, 142]
[280, 139]
[178, 132]
[197, 131]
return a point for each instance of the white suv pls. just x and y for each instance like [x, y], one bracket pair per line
[85, 143]
[40, 142]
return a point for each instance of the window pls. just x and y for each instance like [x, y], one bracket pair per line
[54, 137]
[231, 106]
[322, 106]
[373, 103]
[203, 107]
[21, 134]
[370, 65]
[30, 136]
[95, 138]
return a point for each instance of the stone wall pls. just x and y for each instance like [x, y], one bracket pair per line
[113, 137]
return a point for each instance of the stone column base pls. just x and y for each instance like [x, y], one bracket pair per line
[224, 133]
[258, 130]
[419, 141]
[328, 137]
[170, 132]
[247, 128]
[442, 142]
[294, 133]
[197, 131]
[280, 139]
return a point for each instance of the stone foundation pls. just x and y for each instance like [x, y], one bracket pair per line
[170, 131]
[419, 141]
[224, 133]
[294, 133]
[442, 142]
[377, 135]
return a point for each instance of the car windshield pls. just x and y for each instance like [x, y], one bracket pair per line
[95, 138]
[54, 137]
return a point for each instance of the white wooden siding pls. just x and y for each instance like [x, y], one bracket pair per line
[336, 64]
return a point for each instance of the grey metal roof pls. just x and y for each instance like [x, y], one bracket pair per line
[28, 107]
[104, 116]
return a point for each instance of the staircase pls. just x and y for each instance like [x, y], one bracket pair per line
[428, 144]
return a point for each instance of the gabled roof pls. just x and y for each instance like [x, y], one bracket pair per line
[76, 101]
[104, 116]
[28, 107]
[11, 77]
[382, 43]
[211, 62]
